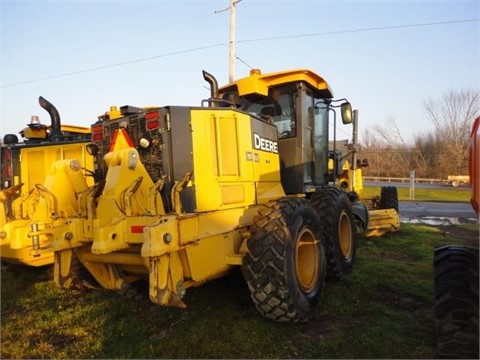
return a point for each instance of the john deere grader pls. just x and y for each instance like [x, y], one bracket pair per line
[185, 194]
[24, 166]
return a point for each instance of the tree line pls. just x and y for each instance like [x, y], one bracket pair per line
[437, 154]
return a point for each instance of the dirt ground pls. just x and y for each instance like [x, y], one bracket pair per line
[459, 235]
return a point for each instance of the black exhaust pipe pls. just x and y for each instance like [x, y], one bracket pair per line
[213, 87]
[55, 129]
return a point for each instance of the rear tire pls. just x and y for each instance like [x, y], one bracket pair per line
[336, 216]
[285, 266]
[456, 301]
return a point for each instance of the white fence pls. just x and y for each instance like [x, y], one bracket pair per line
[404, 180]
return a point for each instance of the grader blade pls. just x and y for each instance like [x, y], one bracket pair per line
[382, 221]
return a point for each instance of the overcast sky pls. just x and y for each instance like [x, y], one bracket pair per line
[386, 57]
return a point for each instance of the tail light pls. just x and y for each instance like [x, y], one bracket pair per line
[97, 132]
[7, 168]
[152, 120]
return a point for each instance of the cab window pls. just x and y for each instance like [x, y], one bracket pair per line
[285, 120]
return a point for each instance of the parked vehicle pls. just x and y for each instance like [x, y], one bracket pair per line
[456, 281]
[24, 168]
[185, 194]
[457, 180]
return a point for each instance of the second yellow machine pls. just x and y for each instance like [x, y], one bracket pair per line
[188, 193]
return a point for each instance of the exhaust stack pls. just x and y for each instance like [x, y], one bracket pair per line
[213, 87]
[55, 130]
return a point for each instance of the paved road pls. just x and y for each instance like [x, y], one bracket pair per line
[436, 212]
[431, 212]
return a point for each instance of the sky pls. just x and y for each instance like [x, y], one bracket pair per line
[386, 57]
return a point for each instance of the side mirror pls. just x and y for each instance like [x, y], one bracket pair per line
[346, 109]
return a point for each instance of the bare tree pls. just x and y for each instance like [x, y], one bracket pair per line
[434, 155]
[389, 133]
[389, 153]
[426, 156]
[452, 116]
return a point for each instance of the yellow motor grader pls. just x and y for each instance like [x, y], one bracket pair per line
[24, 168]
[346, 169]
[187, 193]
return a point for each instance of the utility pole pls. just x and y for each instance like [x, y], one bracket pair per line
[231, 67]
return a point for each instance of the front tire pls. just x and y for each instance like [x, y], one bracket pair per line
[336, 215]
[285, 265]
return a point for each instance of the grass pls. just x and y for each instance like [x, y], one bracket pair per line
[383, 309]
[422, 194]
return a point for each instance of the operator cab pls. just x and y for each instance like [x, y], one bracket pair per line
[298, 102]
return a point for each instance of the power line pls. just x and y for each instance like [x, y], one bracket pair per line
[114, 65]
[242, 61]
[240, 41]
[358, 30]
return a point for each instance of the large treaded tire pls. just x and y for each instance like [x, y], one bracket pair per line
[456, 301]
[389, 198]
[336, 216]
[285, 265]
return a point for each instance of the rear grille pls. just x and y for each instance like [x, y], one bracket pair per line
[135, 125]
